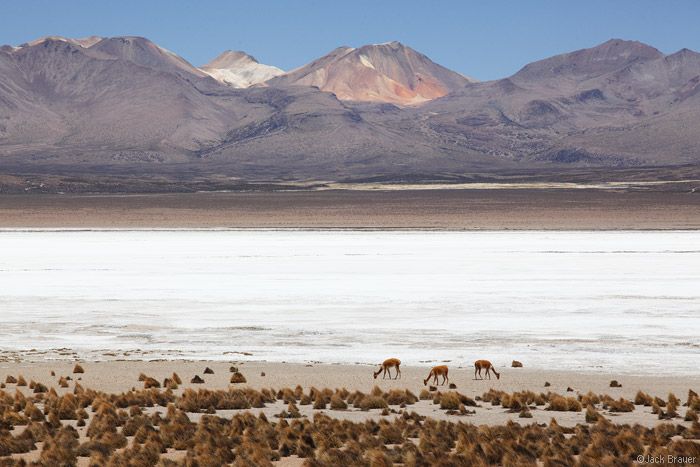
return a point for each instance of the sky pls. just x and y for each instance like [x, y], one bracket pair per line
[483, 39]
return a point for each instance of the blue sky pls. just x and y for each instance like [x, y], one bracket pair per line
[484, 39]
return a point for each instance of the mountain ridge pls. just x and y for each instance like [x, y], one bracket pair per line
[125, 105]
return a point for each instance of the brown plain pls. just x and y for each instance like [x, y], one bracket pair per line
[464, 209]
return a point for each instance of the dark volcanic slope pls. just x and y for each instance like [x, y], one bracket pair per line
[127, 106]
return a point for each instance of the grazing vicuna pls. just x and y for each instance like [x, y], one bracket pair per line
[390, 363]
[485, 365]
[435, 372]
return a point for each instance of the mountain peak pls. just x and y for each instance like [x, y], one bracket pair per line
[144, 52]
[389, 72]
[607, 57]
[239, 70]
[230, 58]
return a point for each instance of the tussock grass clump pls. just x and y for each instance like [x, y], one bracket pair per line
[238, 378]
[142, 377]
[589, 399]
[643, 399]
[592, 415]
[305, 400]
[320, 403]
[149, 383]
[373, 402]
[21, 381]
[286, 394]
[40, 388]
[197, 380]
[59, 449]
[672, 399]
[292, 411]
[493, 396]
[355, 398]
[449, 401]
[337, 403]
[513, 402]
[564, 404]
[466, 400]
[208, 371]
[671, 411]
[693, 432]
[171, 384]
[32, 412]
[10, 379]
[398, 397]
[619, 405]
[78, 369]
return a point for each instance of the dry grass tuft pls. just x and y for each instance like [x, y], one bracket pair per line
[620, 405]
[149, 383]
[564, 404]
[237, 378]
[449, 401]
[373, 402]
[592, 415]
[643, 399]
[78, 369]
[337, 403]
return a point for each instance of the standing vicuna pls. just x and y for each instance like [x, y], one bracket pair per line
[485, 365]
[435, 372]
[390, 363]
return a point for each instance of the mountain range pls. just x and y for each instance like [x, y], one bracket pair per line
[126, 106]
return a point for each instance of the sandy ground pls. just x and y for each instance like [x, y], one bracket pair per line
[120, 376]
[539, 209]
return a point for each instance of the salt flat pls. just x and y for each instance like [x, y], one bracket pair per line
[624, 302]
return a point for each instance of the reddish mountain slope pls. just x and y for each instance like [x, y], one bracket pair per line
[388, 72]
